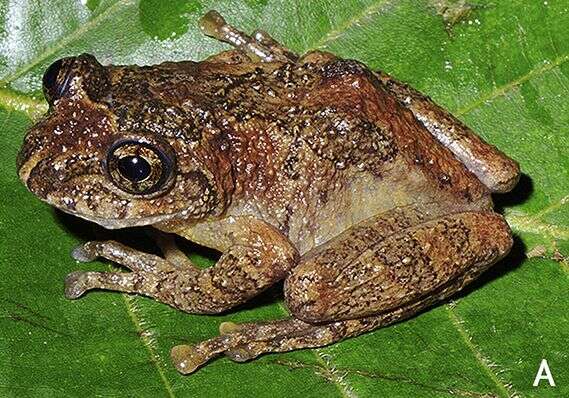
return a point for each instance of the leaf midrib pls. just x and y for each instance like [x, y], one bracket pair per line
[144, 334]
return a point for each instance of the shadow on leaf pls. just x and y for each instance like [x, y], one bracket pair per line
[518, 195]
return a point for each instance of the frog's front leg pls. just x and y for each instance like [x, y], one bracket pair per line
[380, 271]
[256, 255]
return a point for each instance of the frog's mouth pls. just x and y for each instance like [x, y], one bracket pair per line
[110, 223]
[88, 197]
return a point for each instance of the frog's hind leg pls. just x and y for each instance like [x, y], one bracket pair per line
[382, 270]
[243, 342]
[339, 283]
[260, 47]
[497, 171]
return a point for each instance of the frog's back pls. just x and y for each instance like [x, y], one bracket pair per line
[320, 145]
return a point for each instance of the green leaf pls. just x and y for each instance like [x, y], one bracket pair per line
[500, 66]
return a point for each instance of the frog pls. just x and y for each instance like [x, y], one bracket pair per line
[368, 201]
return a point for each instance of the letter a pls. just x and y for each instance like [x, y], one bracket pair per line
[544, 374]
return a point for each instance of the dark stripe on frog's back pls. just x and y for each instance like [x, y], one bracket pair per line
[274, 98]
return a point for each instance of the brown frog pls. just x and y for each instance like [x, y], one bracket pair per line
[369, 200]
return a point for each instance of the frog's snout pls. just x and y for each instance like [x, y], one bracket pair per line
[47, 166]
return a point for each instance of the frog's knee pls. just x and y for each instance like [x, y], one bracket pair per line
[306, 293]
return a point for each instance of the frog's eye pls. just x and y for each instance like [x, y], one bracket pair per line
[139, 168]
[56, 79]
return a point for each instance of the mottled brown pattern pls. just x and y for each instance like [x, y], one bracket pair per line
[386, 273]
[365, 197]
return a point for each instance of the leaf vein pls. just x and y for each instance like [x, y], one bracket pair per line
[386, 377]
[551, 207]
[148, 342]
[505, 390]
[506, 88]
[338, 31]
[528, 224]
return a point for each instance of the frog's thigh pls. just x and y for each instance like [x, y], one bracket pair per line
[396, 271]
[497, 171]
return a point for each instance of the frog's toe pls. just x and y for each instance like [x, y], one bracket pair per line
[241, 354]
[84, 253]
[229, 327]
[212, 23]
[75, 285]
[187, 359]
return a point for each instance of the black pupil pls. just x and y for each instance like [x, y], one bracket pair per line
[134, 168]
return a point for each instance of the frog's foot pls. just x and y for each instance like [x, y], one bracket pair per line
[243, 342]
[261, 47]
[147, 269]
[240, 342]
